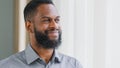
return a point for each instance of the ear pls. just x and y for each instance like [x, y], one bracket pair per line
[29, 26]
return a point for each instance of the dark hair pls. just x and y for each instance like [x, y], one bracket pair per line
[31, 7]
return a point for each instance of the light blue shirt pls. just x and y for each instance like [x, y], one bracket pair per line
[29, 59]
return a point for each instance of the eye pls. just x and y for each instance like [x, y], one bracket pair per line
[57, 20]
[46, 20]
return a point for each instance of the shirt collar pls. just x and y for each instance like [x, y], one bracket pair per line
[32, 56]
[56, 57]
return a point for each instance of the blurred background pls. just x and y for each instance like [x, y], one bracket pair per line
[91, 30]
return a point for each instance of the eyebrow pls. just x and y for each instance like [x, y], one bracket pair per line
[48, 17]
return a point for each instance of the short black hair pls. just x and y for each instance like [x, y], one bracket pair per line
[31, 8]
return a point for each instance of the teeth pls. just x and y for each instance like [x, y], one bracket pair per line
[54, 31]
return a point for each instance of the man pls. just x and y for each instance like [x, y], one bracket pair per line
[43, 26]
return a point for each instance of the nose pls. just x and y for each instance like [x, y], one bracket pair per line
[53, 24]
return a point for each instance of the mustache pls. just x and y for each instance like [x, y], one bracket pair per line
[52, 30]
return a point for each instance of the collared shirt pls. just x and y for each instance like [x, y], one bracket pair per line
[29, 59]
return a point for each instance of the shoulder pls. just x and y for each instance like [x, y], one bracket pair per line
[12, 60]
[71, 60]
[67, 58]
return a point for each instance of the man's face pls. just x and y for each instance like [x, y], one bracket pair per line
[47, 30]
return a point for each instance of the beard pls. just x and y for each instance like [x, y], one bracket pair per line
[44, 41]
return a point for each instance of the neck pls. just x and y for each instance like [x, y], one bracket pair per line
[45, 54]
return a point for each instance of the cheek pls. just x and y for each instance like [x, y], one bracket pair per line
[42, 27]
[60, 28]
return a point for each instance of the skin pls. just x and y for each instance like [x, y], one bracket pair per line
[46, 18]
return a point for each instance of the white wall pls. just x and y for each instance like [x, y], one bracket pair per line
[91, 31]
[22, 31]
[113, 34]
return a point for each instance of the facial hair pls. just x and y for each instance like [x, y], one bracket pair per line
[44, 41]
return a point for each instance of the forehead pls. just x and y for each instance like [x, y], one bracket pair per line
[47, 10]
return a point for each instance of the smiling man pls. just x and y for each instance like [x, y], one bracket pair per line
[42, 22]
